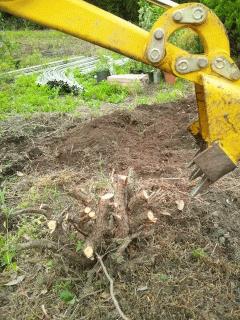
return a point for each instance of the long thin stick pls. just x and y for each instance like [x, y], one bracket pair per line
[116, 304]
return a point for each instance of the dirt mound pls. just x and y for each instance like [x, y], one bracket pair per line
[150, 139]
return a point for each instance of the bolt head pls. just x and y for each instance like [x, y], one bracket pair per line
[177, 16]
[198, 14]
[182, 66]
[220, 63]
[155, 55]
[202, 62]
[158, 34]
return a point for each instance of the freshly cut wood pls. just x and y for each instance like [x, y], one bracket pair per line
[100, 227]
[88, 251]
[151, 217]
[92, 214]
[120, 204]
[87, 210]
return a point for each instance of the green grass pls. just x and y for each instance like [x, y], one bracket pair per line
[165, 93]
[24, 96]
[169, 93]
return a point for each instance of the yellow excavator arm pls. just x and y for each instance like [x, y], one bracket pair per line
[216, 76]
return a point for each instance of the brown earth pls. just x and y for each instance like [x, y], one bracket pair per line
[187, 269]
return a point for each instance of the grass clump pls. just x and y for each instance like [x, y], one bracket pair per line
[199, 253]
[102, 91]
[24, 96]
[169, 93]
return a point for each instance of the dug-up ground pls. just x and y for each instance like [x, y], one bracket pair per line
[181, 259]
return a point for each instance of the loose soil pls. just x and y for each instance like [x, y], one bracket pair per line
[188, 268]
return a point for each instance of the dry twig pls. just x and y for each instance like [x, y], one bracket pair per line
[32, 211]
[53, 246]
[116, 304]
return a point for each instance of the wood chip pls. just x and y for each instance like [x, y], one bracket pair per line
[19, 174]
[180, 205]
[88, 251]
[145, 194]
[52, 224]
[107, 196]
[92, 215]
[15, 281]
[87, 210]
[165, 213]
[151, 217]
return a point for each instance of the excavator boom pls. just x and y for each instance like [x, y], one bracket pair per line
[216, 76]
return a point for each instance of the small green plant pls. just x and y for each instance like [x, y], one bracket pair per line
[163, 277]
[169, 93]
[79, 246]
[64, 291]
[100, 92]
[67, 296]
[7, 250]
[103, 63]
[199, 253]
[148, 14]
[188, 40]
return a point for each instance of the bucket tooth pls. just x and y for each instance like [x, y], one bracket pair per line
[201, 187]
[214, 162]
[191, 164]
[196, 174]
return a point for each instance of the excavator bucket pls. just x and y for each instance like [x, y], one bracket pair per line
[217, 130]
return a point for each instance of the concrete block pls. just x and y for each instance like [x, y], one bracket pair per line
[128, 79]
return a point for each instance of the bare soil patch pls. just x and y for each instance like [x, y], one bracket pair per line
[184, 265]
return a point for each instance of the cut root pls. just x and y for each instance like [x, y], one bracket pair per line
[108, 223]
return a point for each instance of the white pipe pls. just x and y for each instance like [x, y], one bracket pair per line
[164, 3]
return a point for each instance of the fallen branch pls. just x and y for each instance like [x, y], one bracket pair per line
[115, 302]
[31, 211]
[75, 223]
[46, 316]
[53, 246]
[79, 195]
[121, 249]
[118, 255]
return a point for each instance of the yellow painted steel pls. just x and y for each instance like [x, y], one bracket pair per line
[218, 98]
[214, 45]
[222, 114]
